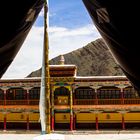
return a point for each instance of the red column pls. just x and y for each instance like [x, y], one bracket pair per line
[97, 125]
[123, 122]
[5, 97]
[96, 96]
[74, 121]
[27, 92]
[5, 122]
[28, 123]
[122, 96]
[71, 122]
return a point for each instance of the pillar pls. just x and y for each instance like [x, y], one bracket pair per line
[27, 94]
[52, 113]
[52, 120]
[96, 96]
[96, 119]
[5, 122]
[96, 112]
[71, 120]
[71, 111]
[96, 87]
[123, 112]
[121, 87]
[123, 122]
[122, 96]
[5, 96]
[28, 123]
[74, 121]
[4, 91]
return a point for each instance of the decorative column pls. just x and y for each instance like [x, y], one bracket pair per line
[96, 87]
[52, 113]
[5, 96]
[5, 91]
[97, 124]
[27, 94]
[122, 96]
[123, 112]
[123, 122]
[28, 123]
[5, 122]
[74, 121]
[71, 111]
[96, 96]
[121, 87]
[96, 112]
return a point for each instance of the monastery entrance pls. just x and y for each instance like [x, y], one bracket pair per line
[62, 117]
[61, 96]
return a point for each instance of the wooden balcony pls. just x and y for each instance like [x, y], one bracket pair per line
[77, 102]
[85, 102]
[1, 102]
[110, 101]
[106, 101]
[19, 102]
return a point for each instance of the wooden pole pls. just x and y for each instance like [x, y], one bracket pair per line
[47, 73]
[44, 104]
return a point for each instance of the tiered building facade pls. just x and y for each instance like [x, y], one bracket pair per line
[76, 102]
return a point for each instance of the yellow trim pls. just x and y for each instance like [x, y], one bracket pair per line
[1, 117]
[62, 117]
[16, 117]
[85, 117]
[132, 117]
[68, 87]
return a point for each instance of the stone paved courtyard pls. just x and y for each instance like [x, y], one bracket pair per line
[123, 135]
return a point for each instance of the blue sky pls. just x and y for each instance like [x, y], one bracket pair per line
[66, 13]
[70, 28]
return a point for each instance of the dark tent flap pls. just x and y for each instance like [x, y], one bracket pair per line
[17, 18]
[117, 23]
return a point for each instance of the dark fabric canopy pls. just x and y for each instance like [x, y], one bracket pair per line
[17, 18]
[118, 23]
[116, 20]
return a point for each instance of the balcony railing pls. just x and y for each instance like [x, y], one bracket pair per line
[76, 102]
[131, 101]
[1, 102]
[109, 101]
[105, 101]
[85, 102]
[19, 102]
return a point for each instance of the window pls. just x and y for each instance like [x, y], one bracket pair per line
[20, 94]
[1, 95]
[34, 93]
[16, 94]
[84, 93]
[61, 91]
[109, 93]
[129, 93]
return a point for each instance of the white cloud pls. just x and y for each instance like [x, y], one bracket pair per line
[61, 41]
[29, 57]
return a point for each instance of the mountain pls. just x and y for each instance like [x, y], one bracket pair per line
[94, 59]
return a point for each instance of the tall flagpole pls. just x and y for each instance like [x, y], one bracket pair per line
[44, 104]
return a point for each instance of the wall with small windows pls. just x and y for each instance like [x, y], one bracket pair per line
[109, 93]
[34, 93]
[84, 93]
[16, 94]
[1, 94]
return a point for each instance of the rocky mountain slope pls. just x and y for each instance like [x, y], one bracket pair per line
[94, 59]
